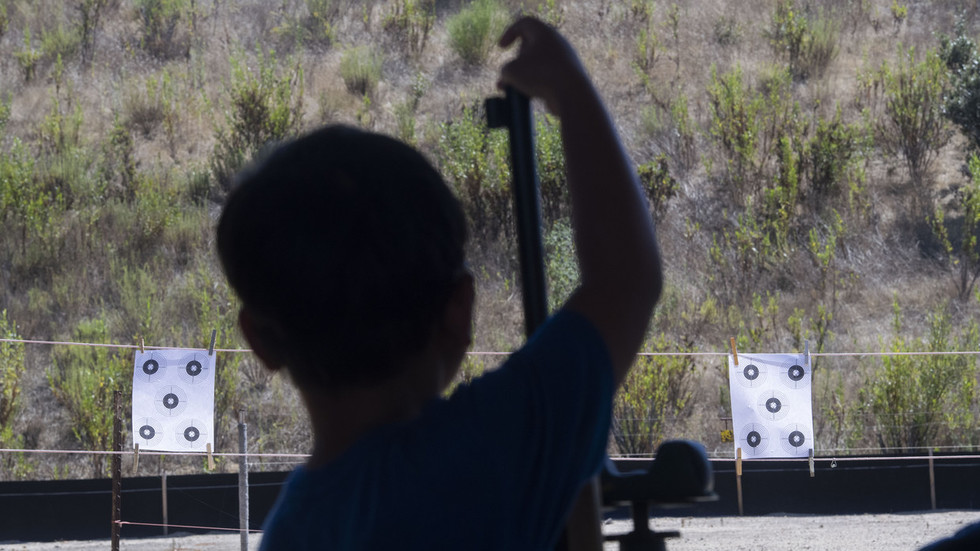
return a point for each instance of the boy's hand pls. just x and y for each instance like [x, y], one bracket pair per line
[546, 65]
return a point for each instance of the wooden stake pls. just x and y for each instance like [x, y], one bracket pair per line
[812, 474]
[210, 458]
[136, 458]
[243, 479]
[738, 478]
[214, 335]
[734, 352]
[116, 468]
[163, 495]
[932, 481]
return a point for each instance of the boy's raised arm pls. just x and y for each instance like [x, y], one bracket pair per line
[621, 274]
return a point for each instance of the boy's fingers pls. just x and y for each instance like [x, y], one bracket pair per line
[519, 29]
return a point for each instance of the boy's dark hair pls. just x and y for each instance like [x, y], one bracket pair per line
[346, 244]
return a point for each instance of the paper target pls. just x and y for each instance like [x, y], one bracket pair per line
[173, 400]
[191, 434]
[771, 403]
[148, 432]
[150, 367]
[754, 439]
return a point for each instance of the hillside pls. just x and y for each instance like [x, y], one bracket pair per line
[795, 199]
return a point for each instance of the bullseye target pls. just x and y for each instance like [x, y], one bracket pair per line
[795, 376]
[147, 431]
[150, 367]
[194, 368]
[771, 404]
[171, 400]
[796, 439]
[752, 375]
[754, 439]
[191, 434]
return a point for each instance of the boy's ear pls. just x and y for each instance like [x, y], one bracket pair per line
[458, 316]
[262, 338]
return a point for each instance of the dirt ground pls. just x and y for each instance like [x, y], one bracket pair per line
[892, 532]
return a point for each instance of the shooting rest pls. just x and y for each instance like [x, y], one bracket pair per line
[679, 476]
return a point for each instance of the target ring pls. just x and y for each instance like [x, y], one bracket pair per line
[148, 432]
[192, 434]
[195, 368]
[754, 439]
[151, 367]
[171, 401]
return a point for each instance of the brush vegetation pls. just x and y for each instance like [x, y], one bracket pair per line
[812, 167]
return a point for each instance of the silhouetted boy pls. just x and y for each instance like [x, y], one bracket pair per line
[346, 249]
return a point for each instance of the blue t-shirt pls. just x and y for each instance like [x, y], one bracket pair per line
[495, 466]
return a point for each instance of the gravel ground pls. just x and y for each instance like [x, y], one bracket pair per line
[893, 532]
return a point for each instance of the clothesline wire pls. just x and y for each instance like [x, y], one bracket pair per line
[824, 454]
[497, 353]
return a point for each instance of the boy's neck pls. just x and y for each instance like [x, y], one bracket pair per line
[341, 418]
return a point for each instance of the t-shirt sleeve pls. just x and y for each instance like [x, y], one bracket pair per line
[543, 418]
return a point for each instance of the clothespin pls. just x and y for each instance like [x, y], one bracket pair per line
[142, 351]
[812, 474]
[136, 457]
[734, 352]
[806, 353]
[210, 458]
[214, 334]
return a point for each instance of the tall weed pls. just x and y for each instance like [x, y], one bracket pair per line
[473, 30]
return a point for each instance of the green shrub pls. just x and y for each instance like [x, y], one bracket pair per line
[962, 102]
[735, 125]
[474, 29]
[28, 57]
[149, 103]
[475, 162]
[659, 185]
[320, 20]
[60, 42]
[83, 380]
[654, 396]
[4, 19]
[12, 369]
[961, 242]
[5, 111]
[550, 155]
[727, 31]
[809, 45]
[265, 106]
[831, 156]
[160, 21]
[561, 263]
[360, 68]
[90, 12]
[920, 401]
[411, 21]
[914, 123]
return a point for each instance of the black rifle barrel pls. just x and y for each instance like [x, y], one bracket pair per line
[514, 111]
